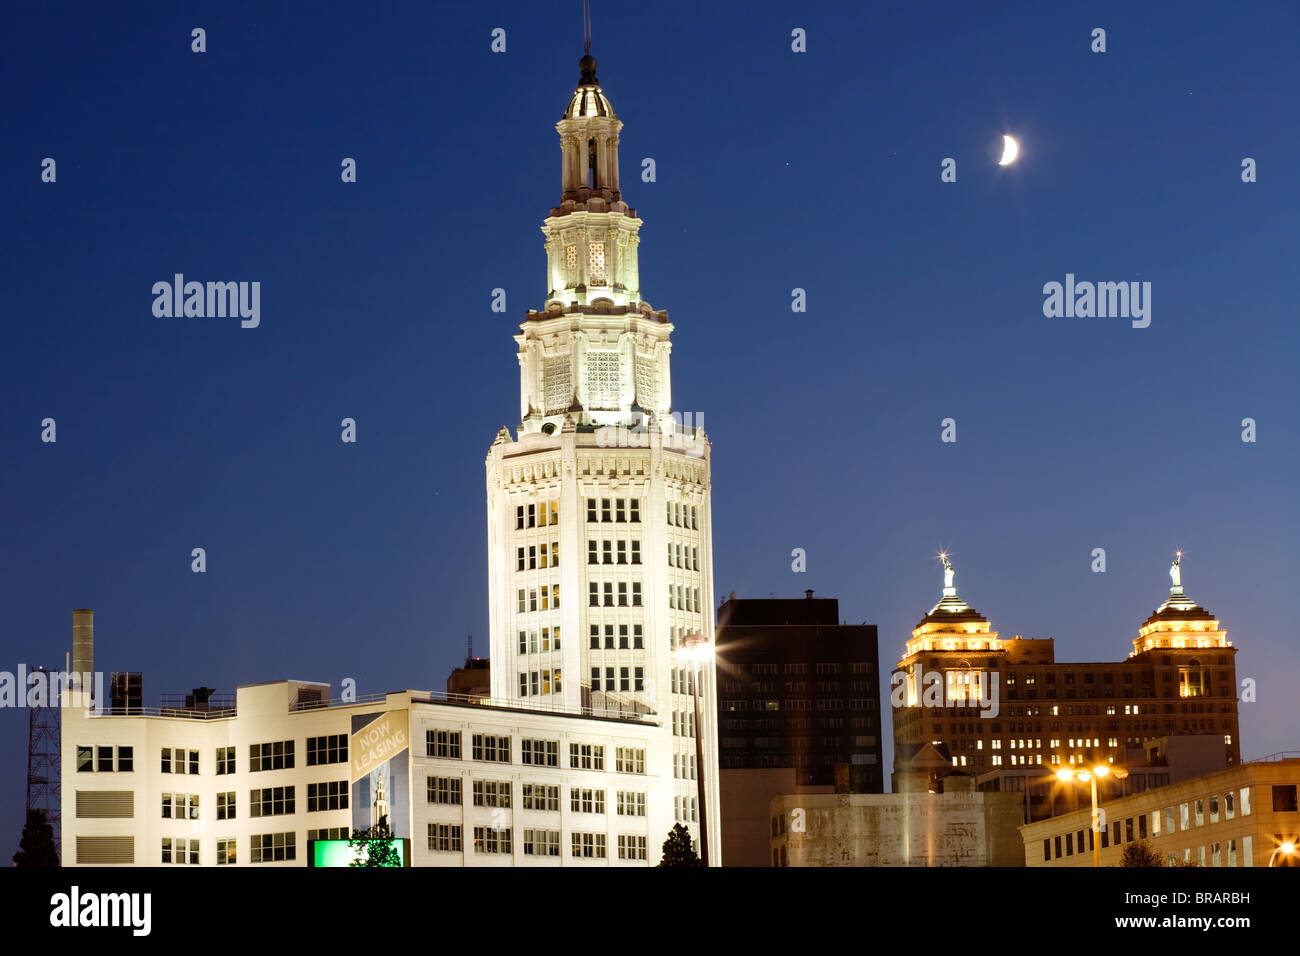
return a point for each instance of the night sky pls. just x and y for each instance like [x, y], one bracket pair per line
[775, 171]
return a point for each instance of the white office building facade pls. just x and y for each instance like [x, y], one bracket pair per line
[477, 785]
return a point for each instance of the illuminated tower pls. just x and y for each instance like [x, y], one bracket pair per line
[599, 531]
[1194, 668]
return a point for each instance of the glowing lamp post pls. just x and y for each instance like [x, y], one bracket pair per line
[1086, 775]
[1287, 849]
[696, 649]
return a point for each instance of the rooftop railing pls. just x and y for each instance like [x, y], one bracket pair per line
[616, 711]
[188, 713]
[1280, 755]
[612, 711]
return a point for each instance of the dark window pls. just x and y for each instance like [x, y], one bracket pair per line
[1284, 799]
[273, 756]
[329, 749]
[329, 795]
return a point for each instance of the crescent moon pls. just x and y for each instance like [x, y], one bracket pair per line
[1010, 150]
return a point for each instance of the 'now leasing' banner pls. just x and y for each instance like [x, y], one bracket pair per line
[382, 738]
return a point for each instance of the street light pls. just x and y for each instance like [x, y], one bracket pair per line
[1086, 775]
[696, 649]
[1286, 848]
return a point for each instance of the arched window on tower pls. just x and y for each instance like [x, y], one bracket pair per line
[591, 163]
[1191, 680]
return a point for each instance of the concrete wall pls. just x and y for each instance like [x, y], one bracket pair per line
[900, 829]
[746, 823]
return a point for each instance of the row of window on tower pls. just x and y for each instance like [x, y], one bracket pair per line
[535, 642]
[614, 552]
[684, 599]
[542, 514]
[496, 748]
[682, 516]
[532, 683]
[614, 509]
[619, 679]
[687, 558]
[595, 592]
[637, 638]
[541, 797]
[539, 599]
[446, 838]
[545, 555]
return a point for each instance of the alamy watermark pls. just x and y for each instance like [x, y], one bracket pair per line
[211, 300]
[103, 910]
[954, 688]
[681, 431]
[42, 688]
[1102, 300]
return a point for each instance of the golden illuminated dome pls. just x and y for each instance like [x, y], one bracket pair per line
[588, 99]
[1180, 622]
[1178, 606]
[951, 609]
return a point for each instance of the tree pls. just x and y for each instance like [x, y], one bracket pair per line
[1140, 853]
[375, 846]
[36, 848]
[678, 850]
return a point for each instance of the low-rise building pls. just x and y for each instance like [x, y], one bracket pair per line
[1154, 763]
[467, 783]
[472, 680]
[1235, 817]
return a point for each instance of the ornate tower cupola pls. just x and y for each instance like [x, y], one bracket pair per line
[597, 353]
[589, 142]
[1179, 623]
[953, 630]
[952, 623]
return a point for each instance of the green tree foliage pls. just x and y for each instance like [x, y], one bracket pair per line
[678, 850]
[36, 848]
[376, 846]
[1140, 853]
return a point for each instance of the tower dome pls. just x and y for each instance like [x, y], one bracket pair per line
[951, 609]
[588, 99]
[1180, 622]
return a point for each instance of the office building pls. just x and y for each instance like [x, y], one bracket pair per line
[797, 688]
[1246, 815]
[468, 784]
[600, 548]
[999, 703]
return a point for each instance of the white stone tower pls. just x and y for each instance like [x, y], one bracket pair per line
[600, 555]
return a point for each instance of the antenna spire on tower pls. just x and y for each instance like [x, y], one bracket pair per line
[586, 26]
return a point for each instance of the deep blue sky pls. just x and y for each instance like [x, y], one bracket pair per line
[775, 171]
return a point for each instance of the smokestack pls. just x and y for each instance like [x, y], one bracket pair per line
[83, 641]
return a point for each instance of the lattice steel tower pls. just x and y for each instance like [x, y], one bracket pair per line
[43, 766]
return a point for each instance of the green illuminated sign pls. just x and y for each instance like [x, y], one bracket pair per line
[339, 853]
